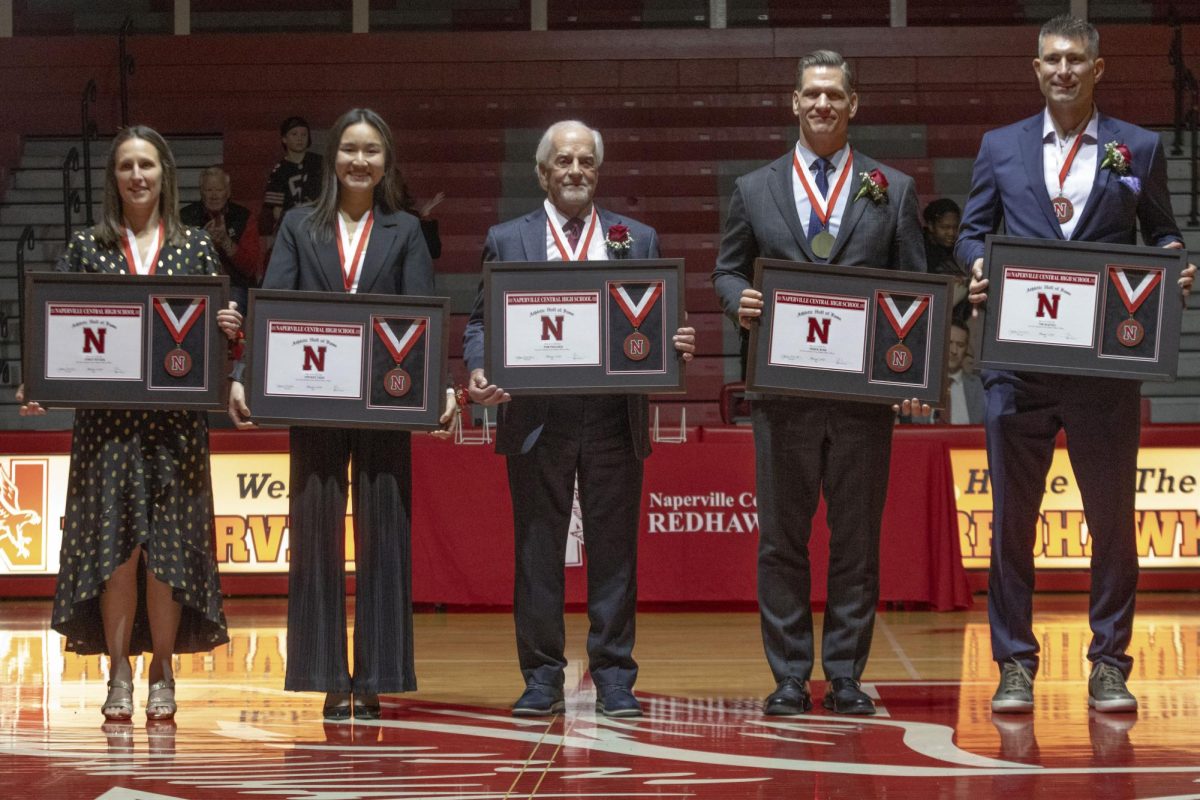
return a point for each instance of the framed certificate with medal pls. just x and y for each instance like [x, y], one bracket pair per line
[591, 327]
[124, 341]
[1082, 308]
[347, 360]
[850, 333]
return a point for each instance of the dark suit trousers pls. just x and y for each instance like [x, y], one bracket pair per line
[804, 448]
[589, 435]
[382, 483]
[1102, 421]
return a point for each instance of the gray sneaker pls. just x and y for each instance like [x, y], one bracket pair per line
[1014, 695]
[1107, 691]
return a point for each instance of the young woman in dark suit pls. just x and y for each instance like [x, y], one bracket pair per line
[355, 238]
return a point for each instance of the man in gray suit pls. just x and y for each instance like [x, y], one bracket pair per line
[966, 388]
[549, 439]
[822, 202]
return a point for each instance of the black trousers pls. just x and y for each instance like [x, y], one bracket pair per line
[381, 465]
[804, 448]
[1102, 420]
[588, 435]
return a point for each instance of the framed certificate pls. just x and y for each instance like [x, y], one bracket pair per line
[597, 327]
[124, 341]
[850, 333]
[1082, 308]
[347, 360]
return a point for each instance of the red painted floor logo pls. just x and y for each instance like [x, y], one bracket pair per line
[23, 488]
[721, 749]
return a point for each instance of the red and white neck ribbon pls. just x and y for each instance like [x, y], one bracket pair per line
[399, 347]
[133, 255]
[635, 312]
[580, 252]
[179, 325]
[823, 212]
[1133, 297]
[902, 323]
[356, 245]
[1065, 169]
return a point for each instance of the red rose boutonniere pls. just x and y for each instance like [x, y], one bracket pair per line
[1117, 158]
[874, 185]
[618, 241]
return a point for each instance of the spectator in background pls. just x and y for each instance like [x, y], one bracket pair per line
[966, 389]
[429, 226]
[296, 179]
[941, 230]
[227, 224]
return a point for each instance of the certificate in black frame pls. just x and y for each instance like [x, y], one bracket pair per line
[609, 325]
[1121, 319]
[170, 320]
[850, 333]
[395, 373]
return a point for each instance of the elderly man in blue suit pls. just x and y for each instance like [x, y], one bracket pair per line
[549, 439]
[1052, 177]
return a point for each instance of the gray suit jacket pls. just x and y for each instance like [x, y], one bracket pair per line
[763, 222]
[524, 239]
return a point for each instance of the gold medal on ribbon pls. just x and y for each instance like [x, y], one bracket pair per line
[178, 362]
[396, 381]
[1130, 332]
[899, 358]
[637, 345]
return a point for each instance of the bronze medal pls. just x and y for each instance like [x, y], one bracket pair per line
[822, 244]
[397, 382]
[636, 347]
[899, 358]
[177, 363]
[1063, 210]
[1130, 332]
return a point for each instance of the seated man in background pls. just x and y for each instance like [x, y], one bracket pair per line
[227, 224]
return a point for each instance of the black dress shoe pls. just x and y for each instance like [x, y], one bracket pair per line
[337, 706]
[617, 701]
[789, 698]
[366, 706]
[844, 697]
[539, 700]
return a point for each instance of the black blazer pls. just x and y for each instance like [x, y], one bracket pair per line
[397, 259]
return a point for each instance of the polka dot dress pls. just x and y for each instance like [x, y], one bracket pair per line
[139, 478]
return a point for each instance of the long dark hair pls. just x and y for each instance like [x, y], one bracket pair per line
[388, 196]
[110, 230]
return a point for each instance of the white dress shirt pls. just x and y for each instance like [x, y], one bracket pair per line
[597, 251]
[1078, 185]
[803, 207]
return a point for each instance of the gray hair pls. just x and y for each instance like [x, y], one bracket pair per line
[1073, 28]
[825, 58]
[215, 171]
[542, 156]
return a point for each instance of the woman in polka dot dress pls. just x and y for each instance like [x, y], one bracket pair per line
[137, 568]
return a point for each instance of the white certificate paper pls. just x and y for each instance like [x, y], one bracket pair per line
[545, 329]
[818, 331]
[1048, 306]
[94, 342]
[314, 359]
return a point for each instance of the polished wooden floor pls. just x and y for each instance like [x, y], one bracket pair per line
[702, 680]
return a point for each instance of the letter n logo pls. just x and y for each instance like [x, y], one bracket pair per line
[818, 329]
[552, 328]
[1048, 306]
[314, 358]
[93, 339]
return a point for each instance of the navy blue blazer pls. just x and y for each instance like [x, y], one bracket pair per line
[1008, 191]
[521, 420]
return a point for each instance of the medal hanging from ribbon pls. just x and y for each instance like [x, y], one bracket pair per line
[899, 357]
[1063, 210]
[637, 345]
[581, 252]
[133, 255]
[178, 363]
[397, 382]
[1130, 332]
[354, 247]
[822, 243]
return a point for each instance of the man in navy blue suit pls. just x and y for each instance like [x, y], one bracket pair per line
[1048, 177]
[550, 439]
